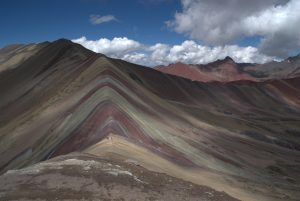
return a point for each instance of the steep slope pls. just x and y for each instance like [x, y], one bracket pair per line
[287, 68]
[225, 70]
[240, 137]
[12, 55]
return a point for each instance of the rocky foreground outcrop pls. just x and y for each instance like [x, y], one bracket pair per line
[83, 177]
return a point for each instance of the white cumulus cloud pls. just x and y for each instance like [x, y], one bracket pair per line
[137, 58]
[220, 22]
[191, 52]
[98, 19]
[161, 54]
[117, 47]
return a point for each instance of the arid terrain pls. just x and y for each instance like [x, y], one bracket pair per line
[84, 177]
[227, 70]
[76, 125]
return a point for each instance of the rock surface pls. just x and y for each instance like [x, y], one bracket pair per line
[84, 177]
[240, 137]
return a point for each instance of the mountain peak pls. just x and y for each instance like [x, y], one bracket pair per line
[62, 40]
[228, 58]
[293, 58]
[63, 43]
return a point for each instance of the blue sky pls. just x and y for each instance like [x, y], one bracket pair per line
[155, 32]
[39, 20]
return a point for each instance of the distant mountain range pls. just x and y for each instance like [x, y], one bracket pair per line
[76, 125]
[227, 70]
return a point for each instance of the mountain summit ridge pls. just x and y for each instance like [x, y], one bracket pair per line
[70, 106]
[227, 70]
